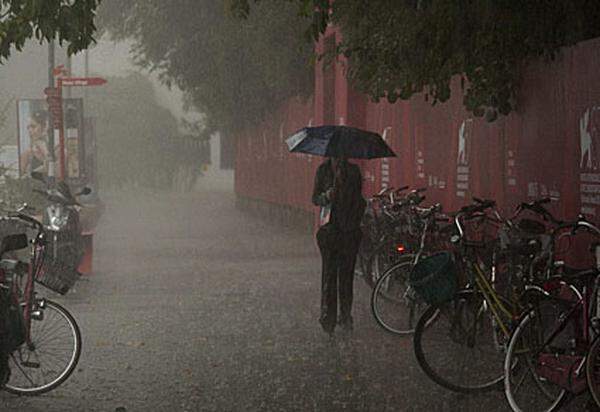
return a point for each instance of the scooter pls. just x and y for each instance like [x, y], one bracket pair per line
[61, 221]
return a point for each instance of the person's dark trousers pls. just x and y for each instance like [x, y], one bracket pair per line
[338, 254]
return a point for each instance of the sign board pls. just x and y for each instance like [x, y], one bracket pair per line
[81, 81]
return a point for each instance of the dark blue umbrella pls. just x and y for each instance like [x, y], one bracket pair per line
[339, 141]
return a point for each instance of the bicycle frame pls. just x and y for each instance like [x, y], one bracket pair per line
[491, 299]
[25, 295]
[583, 304]
[29, 295]
[479, 280]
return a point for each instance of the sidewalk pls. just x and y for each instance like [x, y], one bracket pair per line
[193, 306]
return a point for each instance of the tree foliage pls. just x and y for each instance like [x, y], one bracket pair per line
[132, 133]
[399, 48]
[233, 71]
[71, 22]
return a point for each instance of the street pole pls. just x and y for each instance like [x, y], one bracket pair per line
[86, 69]
[69, 73]
[51, 154]
[87, 63]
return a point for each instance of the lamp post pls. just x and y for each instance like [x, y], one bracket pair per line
[51, 154]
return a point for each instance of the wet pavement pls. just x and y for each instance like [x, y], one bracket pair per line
[194, 306]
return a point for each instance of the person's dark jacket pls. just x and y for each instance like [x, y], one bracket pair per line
[348, 204]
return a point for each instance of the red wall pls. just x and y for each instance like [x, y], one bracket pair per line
[550, 146]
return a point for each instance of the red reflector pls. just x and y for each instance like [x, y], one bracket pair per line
[400, 248]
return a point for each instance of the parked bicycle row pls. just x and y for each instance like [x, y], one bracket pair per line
[489, 300]
[40, 341]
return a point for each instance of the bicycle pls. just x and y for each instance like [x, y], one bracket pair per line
[555, 343]
[394, 304]
[460, 340]
[389, 232]
[46, 338]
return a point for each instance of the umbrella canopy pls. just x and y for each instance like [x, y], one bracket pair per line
[339, 141]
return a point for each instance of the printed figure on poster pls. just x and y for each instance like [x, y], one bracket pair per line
[33, 136]
[462, 160]
[589, 141]
[33, 129]
[385, 162]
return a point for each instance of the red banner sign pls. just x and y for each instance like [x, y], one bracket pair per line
[81, 81]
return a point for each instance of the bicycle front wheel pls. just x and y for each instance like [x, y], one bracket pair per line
[456, 344]
[593, 370]
[51, 357]
[394, 305]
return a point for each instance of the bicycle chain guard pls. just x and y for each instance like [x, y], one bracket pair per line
[565, 371]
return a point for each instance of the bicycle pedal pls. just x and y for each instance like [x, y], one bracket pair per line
[33, 365]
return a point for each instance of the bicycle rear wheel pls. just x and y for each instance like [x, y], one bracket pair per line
[546, 349]
[53, 354]
[394, 305]
[456, 344]
[383, 256]
[526, 386]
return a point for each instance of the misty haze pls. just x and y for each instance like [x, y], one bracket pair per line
[309, 205]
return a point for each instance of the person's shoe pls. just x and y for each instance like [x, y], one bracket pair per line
[346, 324]
[328, 327]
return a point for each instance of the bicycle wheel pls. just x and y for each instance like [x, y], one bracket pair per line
[53, 353]
[394, 305]
[456, 344]
[533, 383]
[592, 369]
[383, 256]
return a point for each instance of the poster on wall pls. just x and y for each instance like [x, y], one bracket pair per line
[589, 164]
[465, 136]
[33, 124]
[73, 126]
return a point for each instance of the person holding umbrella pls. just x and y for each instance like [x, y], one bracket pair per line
[338, 191]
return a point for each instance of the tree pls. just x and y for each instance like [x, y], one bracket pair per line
[233, 71]
[132, 133]
[399, 48]
[70, 21]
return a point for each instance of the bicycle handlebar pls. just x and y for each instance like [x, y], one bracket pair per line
[383, 192]
[576, 225]
[480, 206]
[471, 210]
[537, 207]
[25, 218]
[428, 212]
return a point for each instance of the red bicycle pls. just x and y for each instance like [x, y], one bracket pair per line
[546, 358]
[44, 341]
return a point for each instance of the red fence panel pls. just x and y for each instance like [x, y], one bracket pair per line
[550, 146]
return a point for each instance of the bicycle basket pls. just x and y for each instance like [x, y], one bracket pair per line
[481, 231]
[434, 278]
[56, 278]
